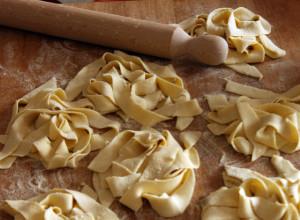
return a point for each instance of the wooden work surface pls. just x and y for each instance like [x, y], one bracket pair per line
[28, 60]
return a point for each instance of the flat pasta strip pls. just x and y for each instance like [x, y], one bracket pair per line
[57, 132]
[271, 49]
[251, 195]
[245, 32]
[59, 204]
[147, 92]
[246, 69]
[150, 165]
[261, 124]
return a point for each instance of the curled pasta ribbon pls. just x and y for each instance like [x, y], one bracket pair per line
[147, 164]
[147, 92]
[59, 204]
[259, 122]
[245, 32]
[58, 133]
[250, 195]
[195, 26]
[236, 22]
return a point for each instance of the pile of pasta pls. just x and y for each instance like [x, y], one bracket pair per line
[258, 122]
[59, 204]
[147, 164]
[59, 133]
[60, 127]
[251, 195]
[245, 32]
[146, 92]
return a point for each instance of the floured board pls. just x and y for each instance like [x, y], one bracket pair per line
[27, 60]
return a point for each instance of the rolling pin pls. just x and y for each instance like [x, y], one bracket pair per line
[141, 36]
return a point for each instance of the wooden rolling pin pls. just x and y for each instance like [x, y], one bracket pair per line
[109, 30]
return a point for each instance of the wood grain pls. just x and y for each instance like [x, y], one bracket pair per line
[27, 60]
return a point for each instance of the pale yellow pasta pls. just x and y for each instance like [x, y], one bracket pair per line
[147, 92]
[245, 32]
[246, 69]
[250, 195]
[58, 133]
[59, 204]
[150, 165]
[259, 122]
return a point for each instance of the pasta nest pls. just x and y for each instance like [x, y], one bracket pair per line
[257, 123]
[147, 92]
[147, 164]
[60, 204]
[58, 133]
[251, 195]
[245, 32]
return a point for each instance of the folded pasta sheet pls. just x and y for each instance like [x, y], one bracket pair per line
[251, 195]
[59, 204]
[245, 32]
[258, 122]
[147, 92]
[149, 165]
[57, 132]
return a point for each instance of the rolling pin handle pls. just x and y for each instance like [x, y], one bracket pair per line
[208, 49]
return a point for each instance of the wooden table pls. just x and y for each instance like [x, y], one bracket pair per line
[28, 60]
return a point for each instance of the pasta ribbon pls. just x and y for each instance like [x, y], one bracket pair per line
[147, 164]
[147, 92]
[59, 204]
[258, 122]
[251, 195]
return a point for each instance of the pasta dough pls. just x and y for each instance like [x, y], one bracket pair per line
[147, 164]
[259, 122]
[147, 92]
[245, 32]
[57, 132]
[59, 204]
[250, 195]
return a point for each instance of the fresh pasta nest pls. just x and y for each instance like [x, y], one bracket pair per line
[259, 122]
[58, 133]
[147, 164]
[59, 204]
[147, 92]
[250, 195]
[245, 32]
